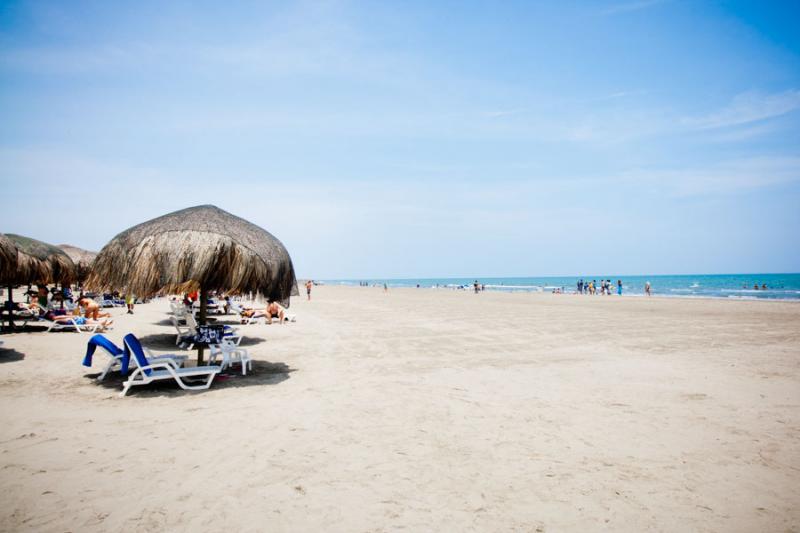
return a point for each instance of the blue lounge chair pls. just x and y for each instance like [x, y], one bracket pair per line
[149, 371]
[117, 358]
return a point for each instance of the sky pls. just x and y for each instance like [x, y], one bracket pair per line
[415, 139]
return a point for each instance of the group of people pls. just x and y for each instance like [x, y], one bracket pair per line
[52, 305]
[605, 287]
[273, 310]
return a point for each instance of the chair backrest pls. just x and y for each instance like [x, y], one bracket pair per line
[101, 341]
[190, 321]
[134, 347]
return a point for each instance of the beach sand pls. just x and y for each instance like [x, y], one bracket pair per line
[423, 410]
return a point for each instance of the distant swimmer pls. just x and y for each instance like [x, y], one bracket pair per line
[755, 287]
[647, 288]
[763, 286]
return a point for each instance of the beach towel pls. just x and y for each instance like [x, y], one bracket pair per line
[110, 347]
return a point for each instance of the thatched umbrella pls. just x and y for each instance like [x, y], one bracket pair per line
[8, 258]
[83, 260]
[37, 262]
[200, 248]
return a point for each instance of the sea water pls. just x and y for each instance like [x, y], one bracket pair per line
[739, 286]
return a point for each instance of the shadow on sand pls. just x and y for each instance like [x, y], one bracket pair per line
[166, 342]
[263, 373]
[10, 355]
[216, 319]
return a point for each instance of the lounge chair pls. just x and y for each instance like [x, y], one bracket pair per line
[183, 331]
[149, 371]
[230, 354]
[117, 359]
[230, 333]
[178, 310]
[76, 323]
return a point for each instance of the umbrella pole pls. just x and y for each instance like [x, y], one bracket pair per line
[10, 308]
[202, 322]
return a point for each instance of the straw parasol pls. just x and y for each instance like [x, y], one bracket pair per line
[83, 260]
[200, 248]
[8, 258]
[36, 262]
[39, 262]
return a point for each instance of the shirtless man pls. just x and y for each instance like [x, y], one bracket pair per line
[91, 309]
[309, 284]
[275, 310]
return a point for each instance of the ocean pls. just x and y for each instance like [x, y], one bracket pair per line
[737, 286]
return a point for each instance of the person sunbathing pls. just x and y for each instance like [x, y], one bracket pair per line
[275, 310]
[91, 309]
[249, 314]
[81, 321]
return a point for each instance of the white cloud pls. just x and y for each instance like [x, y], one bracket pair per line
[747, 108]
[626, 7]
[723, 178]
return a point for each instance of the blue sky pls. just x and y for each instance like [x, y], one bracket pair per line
[410, 139]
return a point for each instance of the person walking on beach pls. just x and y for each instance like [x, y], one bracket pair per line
[130, 300]
[475, 286]
[309, 284]
[619, 287]
[647, 288]
[580, 286]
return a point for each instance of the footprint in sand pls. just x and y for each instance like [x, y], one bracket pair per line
[695, 396]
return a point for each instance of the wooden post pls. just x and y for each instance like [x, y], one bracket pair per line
[202, 321]
[10, 307]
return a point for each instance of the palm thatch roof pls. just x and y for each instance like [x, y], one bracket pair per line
[199, 247]
[39, 262]
[83, 260]
[8, 258]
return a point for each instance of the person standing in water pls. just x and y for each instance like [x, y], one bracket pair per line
[619, 287]
[647, 288]
[309, 284]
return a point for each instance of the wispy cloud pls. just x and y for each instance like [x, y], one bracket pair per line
[503, 113]
[726, 177]
[747, 108]
[626, 7]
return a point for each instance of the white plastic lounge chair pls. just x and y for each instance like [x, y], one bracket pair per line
[183, 331]
[178, 310]
[148, 371]
[116, 354]
[231, 333]
[230, 354]
[253, 319]
[72, 323]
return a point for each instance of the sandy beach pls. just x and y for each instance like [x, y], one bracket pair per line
[422, 410]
